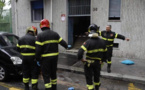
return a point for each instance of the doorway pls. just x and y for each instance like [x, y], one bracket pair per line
[78, 22]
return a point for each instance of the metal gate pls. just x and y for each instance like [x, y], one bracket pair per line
[79, 7]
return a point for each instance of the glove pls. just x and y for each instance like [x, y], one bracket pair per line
[38, 63]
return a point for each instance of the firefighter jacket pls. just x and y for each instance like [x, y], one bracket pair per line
[95, 49]
[47, 44]
[26, 45]
[109, 37]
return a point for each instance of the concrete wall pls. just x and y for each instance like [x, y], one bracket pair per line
[22, 16]
[60, 7]
[131, 25]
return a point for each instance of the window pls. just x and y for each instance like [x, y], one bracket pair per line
[10, 40]
[114, 9]
[79, 7]
[37, 10]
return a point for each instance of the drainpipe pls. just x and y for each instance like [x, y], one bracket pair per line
[51, 16]
[16, 17]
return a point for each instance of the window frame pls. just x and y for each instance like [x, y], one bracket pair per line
[33, 12]
[114, 19]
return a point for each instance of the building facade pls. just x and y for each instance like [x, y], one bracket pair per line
[70, 18]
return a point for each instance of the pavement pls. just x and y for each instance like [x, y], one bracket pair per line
[134, 73]
[71, 79]
[71, 74]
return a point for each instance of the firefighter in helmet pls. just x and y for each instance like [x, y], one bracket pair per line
[108, 36]
[26, 46]
[47, 53]
[95, 49]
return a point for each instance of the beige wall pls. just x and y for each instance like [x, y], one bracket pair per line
[131, 24]
[60, 7]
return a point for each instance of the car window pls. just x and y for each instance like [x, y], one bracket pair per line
[10, 40]
[2, 43]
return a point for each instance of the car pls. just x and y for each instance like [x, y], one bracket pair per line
[10, 58]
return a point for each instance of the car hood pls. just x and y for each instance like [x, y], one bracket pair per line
[10, 51]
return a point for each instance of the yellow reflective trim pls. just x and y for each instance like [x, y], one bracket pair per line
[27, 46]
[100, 33]
[84, 48]
[49, 54]
[109, 45]
[116, 35]
[96, 50]
[90, 86]
[18, 45]
[26, 80]
[54, 81]
[97, 84]
[89, 30]
[94, 58]
[110, 39]
[60, 40]
[46, 42]
[34, 81]
[107, 39]
[50, 41]
[28, 54]
[109, 62]
[104, 38]
[48, 85]
[39, 43]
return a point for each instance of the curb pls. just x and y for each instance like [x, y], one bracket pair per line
[5, 86]
[115, 76]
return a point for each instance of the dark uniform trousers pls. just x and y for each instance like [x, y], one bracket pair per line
[109, 54]
[92, 68]
[30, 70]
[49, 68]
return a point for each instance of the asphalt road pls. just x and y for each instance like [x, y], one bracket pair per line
[70, 79]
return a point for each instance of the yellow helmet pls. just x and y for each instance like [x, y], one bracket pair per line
[31, 29]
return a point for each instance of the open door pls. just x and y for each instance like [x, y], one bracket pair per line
[70, 32]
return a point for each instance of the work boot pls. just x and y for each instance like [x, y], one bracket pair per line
[54, 87]
[26, 86]
[109, 68]
[97, 87]
[35, 87]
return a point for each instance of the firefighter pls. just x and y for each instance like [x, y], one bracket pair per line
[47, 51]
[108, 36]
[26, 46]
[95, 49]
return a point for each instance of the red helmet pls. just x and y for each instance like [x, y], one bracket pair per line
[44, 23]
[35, 29]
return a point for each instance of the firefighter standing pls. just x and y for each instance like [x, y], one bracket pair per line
[26, 46]
[96, 53]
[47, 48]
[108, 36]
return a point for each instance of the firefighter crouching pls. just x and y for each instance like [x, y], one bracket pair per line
[95, 54]
[26, 46]
[47, 48]
[108, 36]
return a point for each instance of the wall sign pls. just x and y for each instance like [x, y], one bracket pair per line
[63, 17]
